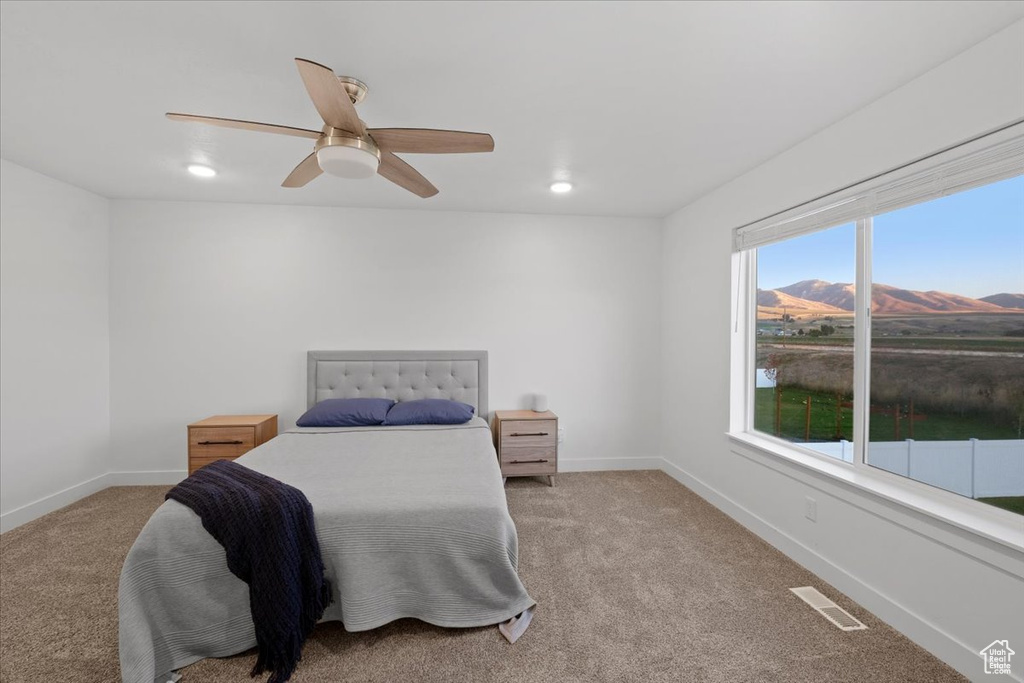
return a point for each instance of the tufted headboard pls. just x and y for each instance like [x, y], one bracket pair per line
[400, 375]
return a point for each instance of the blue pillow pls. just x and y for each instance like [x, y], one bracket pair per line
[429, 411]
[346, 412]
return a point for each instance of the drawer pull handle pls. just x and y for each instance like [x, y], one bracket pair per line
[523, 462]
[529, 434]
[219, 443]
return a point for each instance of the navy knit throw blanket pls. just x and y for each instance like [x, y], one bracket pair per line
[267, 529]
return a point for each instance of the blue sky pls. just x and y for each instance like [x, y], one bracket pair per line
[970, 243]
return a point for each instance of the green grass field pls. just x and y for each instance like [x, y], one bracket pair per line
[933, 426]
[1011, 503]
[882, 427]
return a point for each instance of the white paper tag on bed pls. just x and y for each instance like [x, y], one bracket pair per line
[516, 626]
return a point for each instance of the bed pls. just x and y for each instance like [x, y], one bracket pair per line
[412, 522]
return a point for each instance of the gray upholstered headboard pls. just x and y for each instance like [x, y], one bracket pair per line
[400, 375]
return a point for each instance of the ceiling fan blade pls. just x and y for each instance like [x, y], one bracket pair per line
[404, 175]
[329, 96]
[246, 125]
[429, 141]
[307, 169]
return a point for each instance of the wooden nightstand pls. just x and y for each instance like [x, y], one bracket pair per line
[527, 443]
[225, 437]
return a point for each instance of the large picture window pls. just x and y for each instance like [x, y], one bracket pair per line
[885, 326]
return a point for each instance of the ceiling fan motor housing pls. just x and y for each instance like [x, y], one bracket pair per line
[355, 88]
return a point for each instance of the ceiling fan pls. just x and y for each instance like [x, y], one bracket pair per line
[345, 147]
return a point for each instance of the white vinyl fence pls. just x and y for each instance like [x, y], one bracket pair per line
[975, 468]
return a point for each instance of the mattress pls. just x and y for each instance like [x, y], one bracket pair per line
[412, 522]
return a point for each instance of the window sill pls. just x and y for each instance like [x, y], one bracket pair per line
[955, 521]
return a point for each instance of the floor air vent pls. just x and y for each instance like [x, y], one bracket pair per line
[828, 609]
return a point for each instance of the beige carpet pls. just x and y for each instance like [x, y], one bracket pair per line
[638, 579]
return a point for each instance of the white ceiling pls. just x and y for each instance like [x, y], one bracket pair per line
[644, 106]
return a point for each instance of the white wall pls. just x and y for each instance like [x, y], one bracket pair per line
[54, 343]
[947, 600]
[213, 307]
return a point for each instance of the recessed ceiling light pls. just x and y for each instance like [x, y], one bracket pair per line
[561, 187]
[201, 171]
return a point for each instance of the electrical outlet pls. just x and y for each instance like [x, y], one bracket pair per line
[561, 434]
[811, 509]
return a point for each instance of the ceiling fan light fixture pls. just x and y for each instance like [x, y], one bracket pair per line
[201, 171]
[348, 161]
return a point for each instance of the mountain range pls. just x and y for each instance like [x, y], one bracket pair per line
[837, 298]
[1005, 300]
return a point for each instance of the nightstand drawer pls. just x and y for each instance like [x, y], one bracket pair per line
[529, 467]
[510, 453]
[528, 433]
[220, 442]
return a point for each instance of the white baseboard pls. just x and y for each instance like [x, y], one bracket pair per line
[146, 478]
[933, 639]
[605, 464]
[55, 501]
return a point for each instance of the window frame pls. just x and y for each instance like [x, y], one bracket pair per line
[978, 519]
